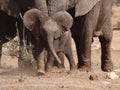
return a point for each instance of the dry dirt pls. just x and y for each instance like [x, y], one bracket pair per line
[26, 79]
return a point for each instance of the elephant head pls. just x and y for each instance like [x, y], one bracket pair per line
[48, 27]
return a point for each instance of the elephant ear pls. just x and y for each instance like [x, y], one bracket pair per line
[33, 19]
[64, 19]
[84, 6]
[10, 7]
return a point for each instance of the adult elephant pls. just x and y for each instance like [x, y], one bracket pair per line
[53, 33]
[10, 11]
[7, 29]
[91, 18]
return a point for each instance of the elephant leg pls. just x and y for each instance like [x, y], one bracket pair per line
[49, 63]
[83, 46]
[40, 57]
[84, 41]
[41, 64]
[105, 41]
[61, 48]
[61, 56]
[52, 65]
[51, 60]
[106, 38]
[84, 54]
[0, 52]
[69, 53]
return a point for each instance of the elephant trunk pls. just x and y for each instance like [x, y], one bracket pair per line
[51, 47]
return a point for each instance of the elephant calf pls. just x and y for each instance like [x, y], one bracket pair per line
[53, 33]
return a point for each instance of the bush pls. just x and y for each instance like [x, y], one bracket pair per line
[24, 53]
[26, 56]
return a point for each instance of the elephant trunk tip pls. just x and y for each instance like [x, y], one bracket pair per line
[59, 61]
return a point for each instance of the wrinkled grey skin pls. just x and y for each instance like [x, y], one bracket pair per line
[12, 9]
[94, 22]
[50, 31]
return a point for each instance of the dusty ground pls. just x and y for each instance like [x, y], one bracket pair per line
[26, 79]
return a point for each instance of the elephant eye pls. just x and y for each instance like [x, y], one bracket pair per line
[64, 29]
[30, 27]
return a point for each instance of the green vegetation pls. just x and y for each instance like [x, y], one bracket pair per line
[26, 56]
[24, 53]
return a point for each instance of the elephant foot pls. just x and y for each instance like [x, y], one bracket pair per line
[48, 68]
[107, 66]
[85, 68]
[40, 72]
[73, 68]
[61, 67]
[54, 69]
[84, 65]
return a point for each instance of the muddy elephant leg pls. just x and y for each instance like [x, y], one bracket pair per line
[105, 41]
[69, 55]
[40, 57]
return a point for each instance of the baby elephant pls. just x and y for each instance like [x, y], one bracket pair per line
[63, 47]
[62, 41]
[53, 33]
